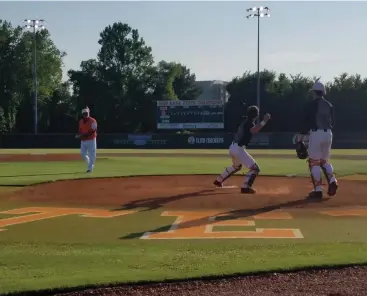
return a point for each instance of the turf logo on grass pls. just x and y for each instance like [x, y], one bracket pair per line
[42, 213]
[212, 225]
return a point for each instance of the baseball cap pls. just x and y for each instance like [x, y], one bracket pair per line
[85, 110]
[318, 86]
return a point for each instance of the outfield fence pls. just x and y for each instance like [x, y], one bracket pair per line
[218, 140]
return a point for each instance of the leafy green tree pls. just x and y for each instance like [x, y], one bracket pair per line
[122, 85]
[11, 75]
[16, 79]
[115, 84]
[174, 81]
[59, 113]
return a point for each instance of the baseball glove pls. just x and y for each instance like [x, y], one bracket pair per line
[301, 150]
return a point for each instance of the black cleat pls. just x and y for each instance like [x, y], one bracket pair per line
[315, 195]
[248, 191]
[218, 184]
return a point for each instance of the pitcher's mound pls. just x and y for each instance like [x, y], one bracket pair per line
[188, 192]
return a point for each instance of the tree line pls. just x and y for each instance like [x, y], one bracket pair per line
[123, 82]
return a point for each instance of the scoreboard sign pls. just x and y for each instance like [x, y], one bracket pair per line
[200, 114]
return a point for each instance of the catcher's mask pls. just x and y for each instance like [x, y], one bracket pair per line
[301, 150]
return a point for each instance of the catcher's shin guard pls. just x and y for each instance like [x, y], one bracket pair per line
[328, 176]
[251, 175]
[312, 163]
[229, 172]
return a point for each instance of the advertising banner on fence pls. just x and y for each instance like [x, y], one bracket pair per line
[133, 140]
[206, 140]
[173, 141]
[259, 140]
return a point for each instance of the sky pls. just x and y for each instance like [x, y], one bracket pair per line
[214, 39]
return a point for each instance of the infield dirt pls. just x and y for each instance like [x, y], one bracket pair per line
[195, 192]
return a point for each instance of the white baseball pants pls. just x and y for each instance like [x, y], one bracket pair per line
[240, 156]
[88, 151]
[319, 144]
[319, 147]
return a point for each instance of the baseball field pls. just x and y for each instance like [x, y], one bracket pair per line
[145, 217]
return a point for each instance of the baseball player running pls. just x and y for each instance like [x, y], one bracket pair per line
[318, 122]
[238, 152]
[88, 138]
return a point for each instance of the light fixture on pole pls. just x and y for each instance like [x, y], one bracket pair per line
[258, 12]
[35, 25]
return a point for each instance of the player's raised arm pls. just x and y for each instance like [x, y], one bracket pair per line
[260, 125]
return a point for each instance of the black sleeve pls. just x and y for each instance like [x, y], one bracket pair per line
[249, 125]
[240, 122]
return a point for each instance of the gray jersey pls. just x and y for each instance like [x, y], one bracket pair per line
[319, 115]
[324, 115]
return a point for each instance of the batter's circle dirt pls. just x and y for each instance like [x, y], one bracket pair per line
[194, 192]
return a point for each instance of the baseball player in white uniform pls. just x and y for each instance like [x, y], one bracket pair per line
[318, 123]
[240, 157]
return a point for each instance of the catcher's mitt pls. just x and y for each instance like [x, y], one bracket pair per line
[301, 150]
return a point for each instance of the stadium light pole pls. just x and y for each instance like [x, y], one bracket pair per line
[35, 25]
[258, 12]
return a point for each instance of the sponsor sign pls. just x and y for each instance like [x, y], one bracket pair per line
[259, 140]
[139, 140]
[205, 140]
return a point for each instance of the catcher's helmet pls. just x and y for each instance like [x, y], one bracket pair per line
[301, 150]
[252, 112]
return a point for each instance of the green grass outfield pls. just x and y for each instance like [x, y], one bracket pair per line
[73, 251]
